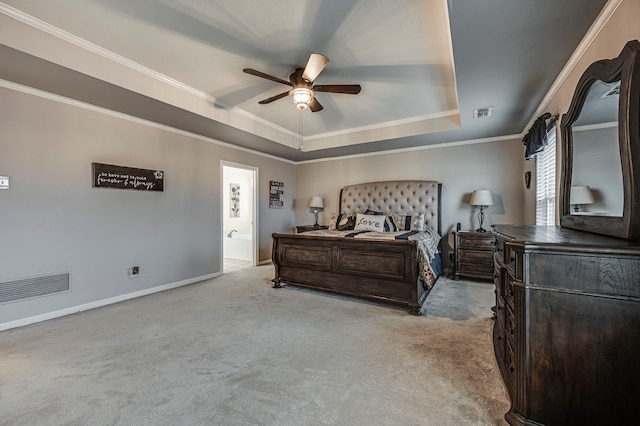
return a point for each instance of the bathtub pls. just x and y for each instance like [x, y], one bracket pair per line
[239, 246]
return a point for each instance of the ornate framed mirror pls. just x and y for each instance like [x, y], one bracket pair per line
[600, 177]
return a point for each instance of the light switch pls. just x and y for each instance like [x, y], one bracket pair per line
[4, 182]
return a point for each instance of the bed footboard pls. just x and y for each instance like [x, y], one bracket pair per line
[377, 270]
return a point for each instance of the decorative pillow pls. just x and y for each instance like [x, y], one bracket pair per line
[389, 225]
[332, 221]
[345, 222]
[409, 223]
[341, 222]
[369, 222]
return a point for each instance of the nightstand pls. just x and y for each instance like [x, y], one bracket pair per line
[305, 228]
[474, 254]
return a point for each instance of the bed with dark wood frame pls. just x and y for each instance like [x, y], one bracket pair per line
[381, 270]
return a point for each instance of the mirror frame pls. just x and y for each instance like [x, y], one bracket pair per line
[626, 68]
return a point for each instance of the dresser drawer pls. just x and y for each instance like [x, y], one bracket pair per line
[509, 290]
[501, 279]
[501, 247]
[477, 241]
[476, 268]
[476, 255]
[514, 259]
[500, 341]
[588, 274]
[510, 360]
[510, 324]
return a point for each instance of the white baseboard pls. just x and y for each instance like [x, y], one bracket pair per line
[264, 262]
[99, 303]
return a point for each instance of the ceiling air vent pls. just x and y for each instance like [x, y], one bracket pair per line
[482, 112]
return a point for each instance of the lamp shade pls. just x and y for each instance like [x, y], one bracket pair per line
[581, 195]
[316, 202]
[481, 197]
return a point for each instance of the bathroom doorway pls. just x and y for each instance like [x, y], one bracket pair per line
[239, 213]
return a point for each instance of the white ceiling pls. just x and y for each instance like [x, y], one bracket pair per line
[423, 65]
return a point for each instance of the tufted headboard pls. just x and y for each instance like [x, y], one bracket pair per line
[396, 197]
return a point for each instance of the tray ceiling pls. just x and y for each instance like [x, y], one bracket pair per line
[423, 65]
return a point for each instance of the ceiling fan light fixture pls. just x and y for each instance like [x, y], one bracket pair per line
[301, 97]
[302, 92]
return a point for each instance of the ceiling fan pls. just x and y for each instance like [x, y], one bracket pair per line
[303, 92]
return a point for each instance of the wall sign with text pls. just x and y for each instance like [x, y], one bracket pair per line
[110, 176]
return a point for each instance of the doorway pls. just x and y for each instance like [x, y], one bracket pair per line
[239, 212]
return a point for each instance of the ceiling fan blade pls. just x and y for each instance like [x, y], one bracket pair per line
[349, 89]
[316, 64]
[315, 106]
[267, 76]
[273, 98]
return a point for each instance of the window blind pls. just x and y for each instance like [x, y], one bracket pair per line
[546, 182]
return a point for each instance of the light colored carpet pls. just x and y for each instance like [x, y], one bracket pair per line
[234, 351]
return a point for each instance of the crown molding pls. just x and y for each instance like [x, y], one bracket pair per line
[378, 126]
[416, 148]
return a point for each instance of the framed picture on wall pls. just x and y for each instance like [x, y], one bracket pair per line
[276, 193]
[234, 200]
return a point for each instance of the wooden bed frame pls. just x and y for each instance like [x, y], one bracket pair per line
[373, 269]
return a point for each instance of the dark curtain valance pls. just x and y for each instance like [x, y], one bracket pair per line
[536, 138]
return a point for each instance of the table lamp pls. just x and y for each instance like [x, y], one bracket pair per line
[316, 205]
[481, 198]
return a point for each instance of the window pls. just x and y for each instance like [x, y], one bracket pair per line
[546, 182]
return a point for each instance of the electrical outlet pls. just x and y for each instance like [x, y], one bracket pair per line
[4, 182]
[134, 270]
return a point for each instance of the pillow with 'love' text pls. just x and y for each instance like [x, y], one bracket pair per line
[369, 222]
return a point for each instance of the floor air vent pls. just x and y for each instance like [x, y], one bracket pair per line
[26, 288]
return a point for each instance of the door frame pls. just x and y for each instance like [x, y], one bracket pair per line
[254, 217]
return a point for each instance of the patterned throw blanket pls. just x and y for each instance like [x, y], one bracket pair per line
[426, 241]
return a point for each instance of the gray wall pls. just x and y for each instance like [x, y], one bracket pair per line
[54, 221]
[496, 166]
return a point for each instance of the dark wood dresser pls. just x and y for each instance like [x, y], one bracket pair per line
[567, 332]
[473, 253]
